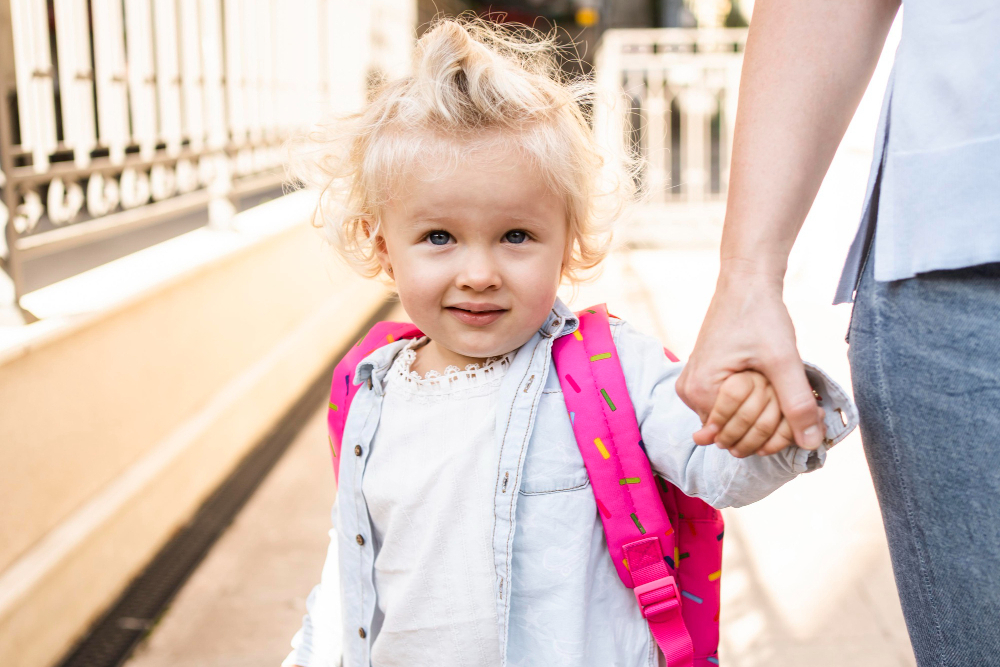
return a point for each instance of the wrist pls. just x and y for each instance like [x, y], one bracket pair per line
[754, 249]
[751, 274]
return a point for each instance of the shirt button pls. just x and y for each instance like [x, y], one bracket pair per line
[357, 450]
[361, 633]
[361, 541]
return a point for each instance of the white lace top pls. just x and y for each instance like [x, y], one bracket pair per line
[429, 483]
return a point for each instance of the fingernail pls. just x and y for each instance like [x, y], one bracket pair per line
[813, 438]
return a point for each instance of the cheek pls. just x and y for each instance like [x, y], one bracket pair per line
[537, 281]
[420, 285]
[416, 285]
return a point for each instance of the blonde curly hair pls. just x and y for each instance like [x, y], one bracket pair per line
[475, 85]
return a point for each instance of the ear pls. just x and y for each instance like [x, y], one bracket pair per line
[374, 234]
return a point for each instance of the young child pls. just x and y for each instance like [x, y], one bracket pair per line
[466, 529]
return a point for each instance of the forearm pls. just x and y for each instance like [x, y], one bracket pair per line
[806, 67]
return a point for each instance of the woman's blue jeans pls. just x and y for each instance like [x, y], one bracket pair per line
[925, 360]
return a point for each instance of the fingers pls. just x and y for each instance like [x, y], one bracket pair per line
[762, 430]
[706, 434]
[748, 414]
[782, 437]
[733, 391]
[798, 404]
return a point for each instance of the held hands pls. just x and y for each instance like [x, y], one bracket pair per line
[746, 418]
[748, 328]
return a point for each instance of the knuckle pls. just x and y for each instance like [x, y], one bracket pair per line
[759, 432]
[801, 409]
[740, 422]
[738, 385]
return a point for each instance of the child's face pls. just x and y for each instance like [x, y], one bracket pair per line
[476, 253]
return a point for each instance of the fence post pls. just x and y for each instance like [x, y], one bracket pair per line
[222, 205]
[10, 279]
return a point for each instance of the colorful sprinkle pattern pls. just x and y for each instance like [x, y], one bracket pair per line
[602, 449]
[607, 399]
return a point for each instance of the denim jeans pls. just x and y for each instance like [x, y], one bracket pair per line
[925, 360]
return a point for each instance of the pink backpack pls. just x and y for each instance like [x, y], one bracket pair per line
[666, 546]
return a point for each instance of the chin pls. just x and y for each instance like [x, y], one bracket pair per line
[480, 346]
[480, 351]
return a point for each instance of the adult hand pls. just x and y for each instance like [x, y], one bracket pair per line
[748, 328]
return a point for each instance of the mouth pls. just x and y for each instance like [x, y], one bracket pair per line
[476, 314]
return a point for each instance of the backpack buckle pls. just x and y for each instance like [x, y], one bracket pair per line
[658, 597]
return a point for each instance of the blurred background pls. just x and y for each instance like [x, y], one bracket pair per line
[168, 317]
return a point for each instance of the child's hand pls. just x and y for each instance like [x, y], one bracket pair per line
[746, 418]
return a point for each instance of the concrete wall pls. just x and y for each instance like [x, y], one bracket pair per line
[144, 384]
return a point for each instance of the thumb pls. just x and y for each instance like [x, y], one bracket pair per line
[798, 404]
[695, 393]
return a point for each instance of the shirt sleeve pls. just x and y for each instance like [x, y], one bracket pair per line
[318, 641]
[667, 425]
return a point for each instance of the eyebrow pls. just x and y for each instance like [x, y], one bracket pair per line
[432, 218]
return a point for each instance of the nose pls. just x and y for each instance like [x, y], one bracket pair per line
[479, 271]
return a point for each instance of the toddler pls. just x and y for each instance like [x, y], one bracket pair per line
[466, 531]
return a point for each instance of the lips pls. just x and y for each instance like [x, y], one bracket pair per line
[476, 314]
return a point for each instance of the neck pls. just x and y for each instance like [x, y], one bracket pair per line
[434, 357]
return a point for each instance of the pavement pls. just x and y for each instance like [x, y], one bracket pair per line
[242, 605]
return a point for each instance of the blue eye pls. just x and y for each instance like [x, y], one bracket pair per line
[439, 238]
[515, 236]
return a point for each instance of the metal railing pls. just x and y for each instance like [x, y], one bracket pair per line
[115, 114]
[669, 95]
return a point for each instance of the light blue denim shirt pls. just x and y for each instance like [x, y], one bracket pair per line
[558, 598]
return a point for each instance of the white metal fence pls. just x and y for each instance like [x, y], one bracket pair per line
[119, 113]
[669, 94]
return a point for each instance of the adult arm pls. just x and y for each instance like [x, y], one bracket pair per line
[806, 67]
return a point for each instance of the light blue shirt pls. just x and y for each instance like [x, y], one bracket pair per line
[937, 203]
[559, 601]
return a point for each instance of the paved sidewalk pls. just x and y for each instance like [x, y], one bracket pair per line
[245, 601]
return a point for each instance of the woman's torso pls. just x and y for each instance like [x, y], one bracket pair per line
[937, 153]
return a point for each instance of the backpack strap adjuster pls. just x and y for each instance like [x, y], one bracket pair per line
[658, 597]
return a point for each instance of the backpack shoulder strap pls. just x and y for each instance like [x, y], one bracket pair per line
[343, 389]
[636, 526]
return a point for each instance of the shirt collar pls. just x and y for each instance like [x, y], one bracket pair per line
[560, 322]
